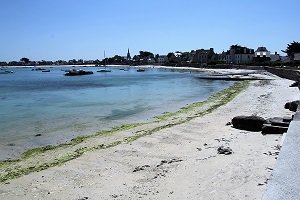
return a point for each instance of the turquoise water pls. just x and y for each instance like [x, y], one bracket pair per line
[62, 107]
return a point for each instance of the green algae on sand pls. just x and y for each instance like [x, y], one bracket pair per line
[41, 158]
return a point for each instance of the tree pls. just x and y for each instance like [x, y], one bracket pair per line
[156, 57]
[145, 54]
[235, 46]
[170, 55]
[292, 48]
[25, 60]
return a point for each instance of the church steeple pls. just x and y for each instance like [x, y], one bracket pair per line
[128, 55]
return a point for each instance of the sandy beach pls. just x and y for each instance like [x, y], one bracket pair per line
[176, 162]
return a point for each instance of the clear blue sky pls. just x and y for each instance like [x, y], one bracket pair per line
[67, 29]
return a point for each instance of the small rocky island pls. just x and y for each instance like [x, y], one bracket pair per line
[74, 72]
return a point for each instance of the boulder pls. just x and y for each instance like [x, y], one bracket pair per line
[292, 106]
[295, 84]
[248, 123]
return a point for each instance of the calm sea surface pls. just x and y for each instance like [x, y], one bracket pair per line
[62, 107]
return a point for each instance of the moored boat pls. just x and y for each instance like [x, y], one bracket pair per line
[140, 70]
[104, 70]
[7, 72]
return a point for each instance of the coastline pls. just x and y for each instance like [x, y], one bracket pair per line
[59, 130]
[192, 173]
[52, 155]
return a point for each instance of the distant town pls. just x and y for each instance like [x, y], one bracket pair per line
[235, 55]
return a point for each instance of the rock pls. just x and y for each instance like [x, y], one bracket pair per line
[277, 121]
[248, 123]
[224, 150]
[292, 106]
[295, 84]
[270, 129]
[228, 123]
[287, 119]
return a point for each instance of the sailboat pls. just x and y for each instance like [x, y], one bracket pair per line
[104, 70]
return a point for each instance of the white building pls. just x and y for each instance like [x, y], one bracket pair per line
[262, 52]
[239, 55]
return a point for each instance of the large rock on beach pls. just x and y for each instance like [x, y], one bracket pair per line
[248, 123]
[292, 106]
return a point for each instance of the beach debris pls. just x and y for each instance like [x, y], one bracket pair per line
[168, 161]
[161, 174]
[116, 196]
[228, 123]
[276, 153]
[37, 135]
[223, 140]
[248, 123]
[260, 184]
[205, 144]
[269, 168]
[199, 149]
[84, 198]
[140, 168]
[292, 105]
[224, 150]
[277, 147]
[205, 158]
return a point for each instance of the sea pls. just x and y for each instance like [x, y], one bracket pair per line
[45, 108]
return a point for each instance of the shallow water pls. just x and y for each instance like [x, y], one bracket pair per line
[61, 107]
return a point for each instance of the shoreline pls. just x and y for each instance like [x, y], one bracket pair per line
[24, 164]
[162, 159]
[11, 149]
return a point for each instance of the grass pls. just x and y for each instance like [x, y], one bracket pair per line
[10, 169]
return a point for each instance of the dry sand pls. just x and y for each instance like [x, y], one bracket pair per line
[180, 162]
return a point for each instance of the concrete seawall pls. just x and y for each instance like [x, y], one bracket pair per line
[284, 183]
[284, 73]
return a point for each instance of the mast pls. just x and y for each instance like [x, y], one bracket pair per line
[104, 59]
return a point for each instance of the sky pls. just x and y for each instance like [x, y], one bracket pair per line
[84, 29]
